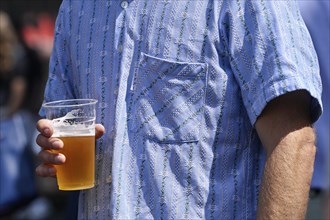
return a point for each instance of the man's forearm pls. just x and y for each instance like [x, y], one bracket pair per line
[287, 176]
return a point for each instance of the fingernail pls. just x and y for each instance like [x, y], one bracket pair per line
[47, 131]
[57, 144]
[59, 158]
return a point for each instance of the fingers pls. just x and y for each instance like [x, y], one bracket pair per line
[44, 170]
[99, 130]
[45, 128]
[49, 157]
[44, 139]
[49, 143]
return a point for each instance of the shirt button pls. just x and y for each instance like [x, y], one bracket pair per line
[108, 179]
[124, 4]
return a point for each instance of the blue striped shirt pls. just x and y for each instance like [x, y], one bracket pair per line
[180, 85]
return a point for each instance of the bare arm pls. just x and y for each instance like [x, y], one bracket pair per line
[285, 131]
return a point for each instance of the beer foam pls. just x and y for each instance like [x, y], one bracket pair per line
[74, 123]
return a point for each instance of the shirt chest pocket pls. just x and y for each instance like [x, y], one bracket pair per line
[167, 100]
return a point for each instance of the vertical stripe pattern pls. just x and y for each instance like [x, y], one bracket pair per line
[180, 85]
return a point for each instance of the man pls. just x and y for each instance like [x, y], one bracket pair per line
[316, 14]
[187, 92]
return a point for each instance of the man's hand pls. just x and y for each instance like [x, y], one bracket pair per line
[48, 143]
[285, 131]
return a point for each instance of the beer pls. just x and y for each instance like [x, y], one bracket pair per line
[73, 121]
[78, 170]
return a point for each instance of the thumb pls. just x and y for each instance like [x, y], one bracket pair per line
[99, 131]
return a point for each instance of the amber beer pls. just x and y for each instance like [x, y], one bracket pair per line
[73, 121]
[78, 170]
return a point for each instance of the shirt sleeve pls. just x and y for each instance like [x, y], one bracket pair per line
[271, 53]
[59, 83]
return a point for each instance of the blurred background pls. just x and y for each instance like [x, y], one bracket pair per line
[26, 40]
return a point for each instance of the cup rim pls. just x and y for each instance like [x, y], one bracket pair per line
[57, 103]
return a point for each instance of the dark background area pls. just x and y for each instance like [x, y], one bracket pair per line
[33, 22]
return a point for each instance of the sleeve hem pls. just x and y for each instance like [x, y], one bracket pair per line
[277, 89]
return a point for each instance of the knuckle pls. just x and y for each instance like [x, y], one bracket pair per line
[45, 156]
[48, 143]
[40, 171]
[50, 158]
[39, 140]
[40, 154]
[44, 170]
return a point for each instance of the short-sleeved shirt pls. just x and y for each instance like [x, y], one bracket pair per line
[180, 85]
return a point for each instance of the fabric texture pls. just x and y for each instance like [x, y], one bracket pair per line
[180, 85]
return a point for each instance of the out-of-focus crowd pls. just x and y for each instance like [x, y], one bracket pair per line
[26, 40]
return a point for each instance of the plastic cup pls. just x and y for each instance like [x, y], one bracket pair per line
[73, 121]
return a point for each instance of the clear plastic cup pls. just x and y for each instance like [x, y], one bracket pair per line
[73, 121]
